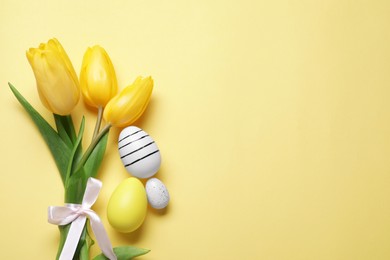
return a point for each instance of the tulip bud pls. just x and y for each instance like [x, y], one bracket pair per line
[57, 82]
[97, 77]
[130, 103]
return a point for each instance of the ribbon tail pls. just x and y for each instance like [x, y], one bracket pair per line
[101, 235]
[73, 238]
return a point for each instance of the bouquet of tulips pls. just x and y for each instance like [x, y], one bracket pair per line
[59, 90]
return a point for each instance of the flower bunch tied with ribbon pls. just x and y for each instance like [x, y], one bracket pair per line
[60, 89]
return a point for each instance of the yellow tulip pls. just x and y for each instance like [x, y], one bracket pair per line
[130, 103]
[97, 77]
[57, 82]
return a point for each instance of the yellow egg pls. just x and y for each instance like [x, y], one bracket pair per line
[127, 206]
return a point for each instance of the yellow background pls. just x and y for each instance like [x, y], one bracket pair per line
[272, 117]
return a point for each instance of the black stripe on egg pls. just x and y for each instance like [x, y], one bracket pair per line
[133, 141]
[129, 135]
[142, 158]
[136, 150]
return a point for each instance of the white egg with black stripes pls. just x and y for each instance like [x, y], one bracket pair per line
[139, 152]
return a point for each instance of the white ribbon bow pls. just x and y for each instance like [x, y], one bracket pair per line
[77, 215]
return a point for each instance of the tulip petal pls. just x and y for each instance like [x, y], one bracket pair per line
[57, 82]
[130, 103]
[97, 77]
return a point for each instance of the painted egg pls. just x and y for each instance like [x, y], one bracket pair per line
[126, 209]
[139, 153]
[157, 193]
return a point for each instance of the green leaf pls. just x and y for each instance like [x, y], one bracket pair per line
[76, 179]
[86, 242]
[65, 129]
[64, 230]
[125, 253]
[95, 159]
[75, 187]
[76, 148]
[58, 148]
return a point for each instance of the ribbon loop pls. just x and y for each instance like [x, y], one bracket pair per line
[91, 192]
[77, 215]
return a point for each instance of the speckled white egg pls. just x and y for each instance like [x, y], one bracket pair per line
[157, 193]
[139, 153]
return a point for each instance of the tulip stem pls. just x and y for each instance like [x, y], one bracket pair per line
[92, 146]
[98, 122]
